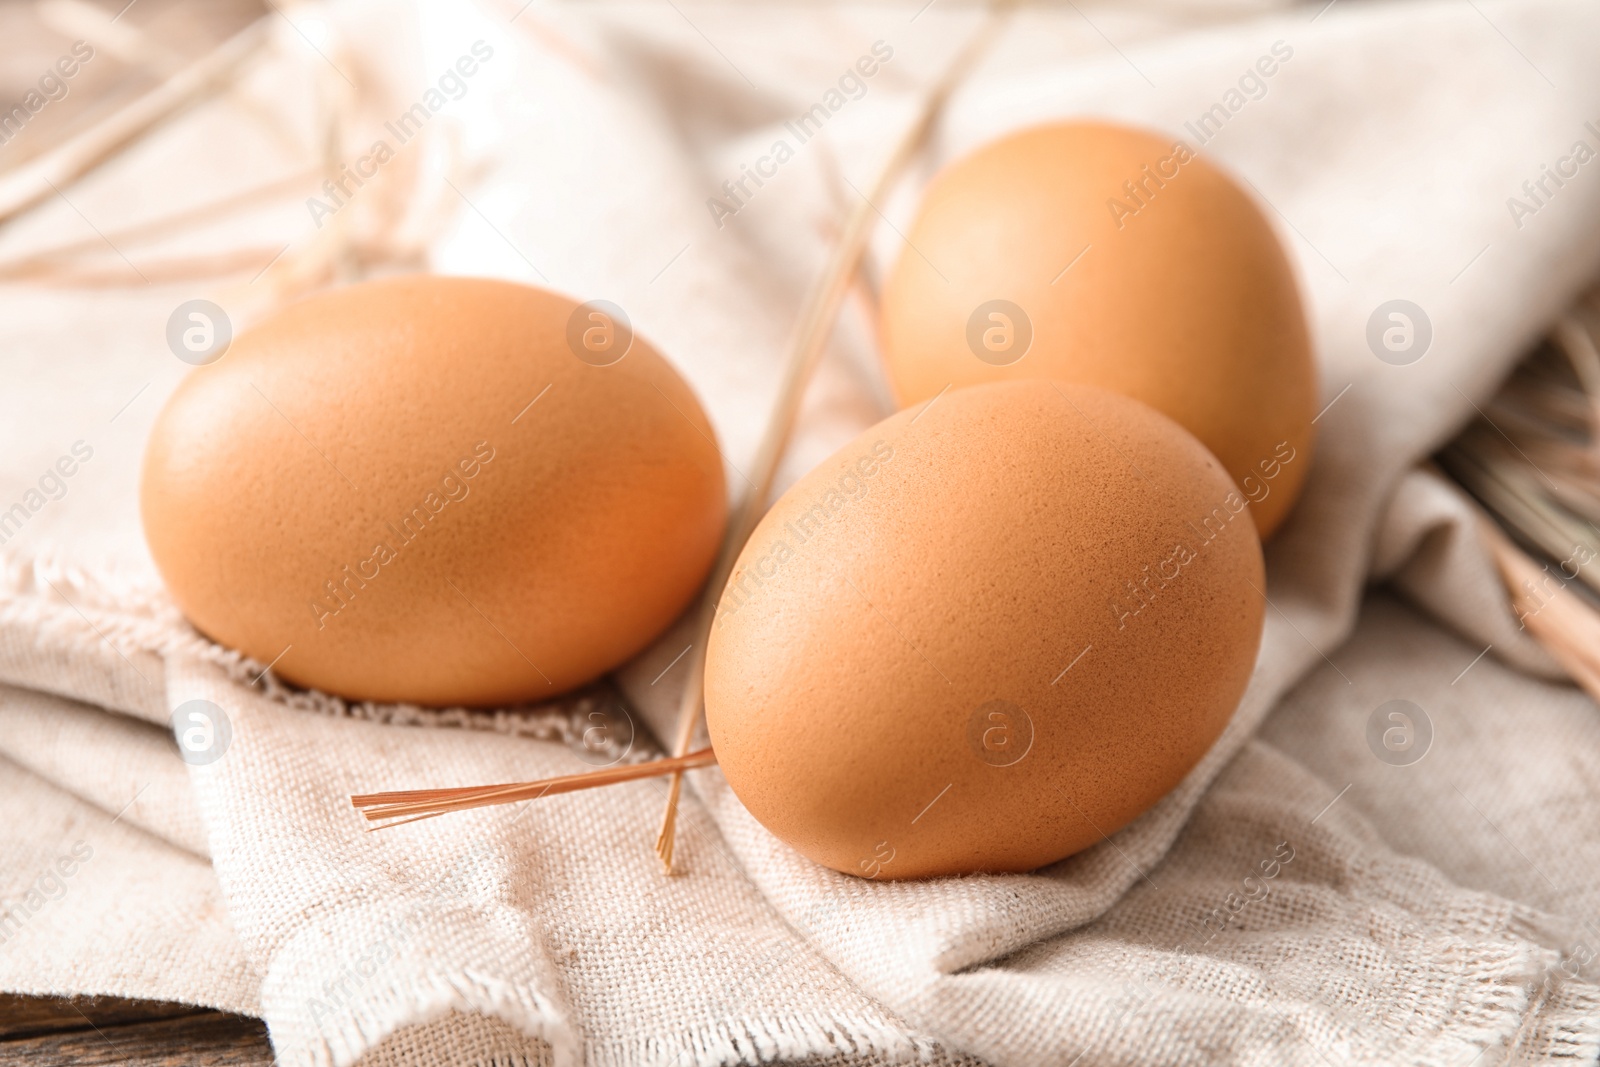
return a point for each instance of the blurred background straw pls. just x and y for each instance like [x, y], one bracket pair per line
[152, 61]
[1532, 460]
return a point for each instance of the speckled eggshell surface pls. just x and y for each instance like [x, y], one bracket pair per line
[1103, 255]
[984, 633]
[415, 490]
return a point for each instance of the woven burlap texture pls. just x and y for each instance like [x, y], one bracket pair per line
[1438, 913]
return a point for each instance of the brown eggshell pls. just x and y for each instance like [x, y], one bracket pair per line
[1158, 279]
[951, 648]
[364, 491]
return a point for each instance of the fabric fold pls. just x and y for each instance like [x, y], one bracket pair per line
[1307, 894]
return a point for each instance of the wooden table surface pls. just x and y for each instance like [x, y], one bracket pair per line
[47, 1032]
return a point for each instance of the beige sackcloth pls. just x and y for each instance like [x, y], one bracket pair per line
[1442, 912]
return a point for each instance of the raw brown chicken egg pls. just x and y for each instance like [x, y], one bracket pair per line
[983, 634]
[416, 490]
[1107, 256]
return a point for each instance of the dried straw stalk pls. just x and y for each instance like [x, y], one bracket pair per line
[816, 326]
[1567, 626]
[35, 181]
[412, 805]
[1532, 460]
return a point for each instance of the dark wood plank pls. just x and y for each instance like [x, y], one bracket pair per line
[106, 1031]
[29, 1016]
